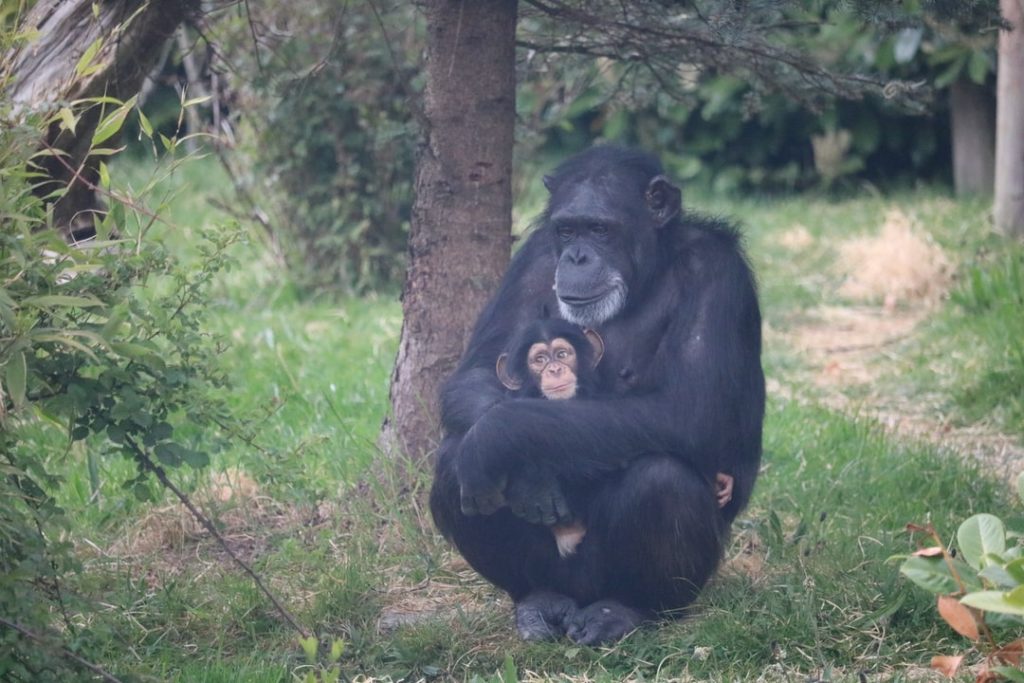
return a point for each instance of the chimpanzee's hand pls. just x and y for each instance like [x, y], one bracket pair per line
[535, 495]
[482, 487]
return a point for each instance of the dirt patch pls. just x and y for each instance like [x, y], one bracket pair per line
[842, 345]
[896, 277]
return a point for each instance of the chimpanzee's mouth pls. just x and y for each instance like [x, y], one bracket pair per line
[582, 300]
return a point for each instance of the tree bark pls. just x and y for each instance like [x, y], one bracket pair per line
[43, 78]
[1008, 210]
[460, 236]
[972, 110]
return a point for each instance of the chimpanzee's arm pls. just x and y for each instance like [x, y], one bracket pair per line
[706, 408]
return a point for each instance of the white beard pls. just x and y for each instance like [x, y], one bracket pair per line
[597, 312]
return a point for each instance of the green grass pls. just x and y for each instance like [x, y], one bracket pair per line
[809, 592]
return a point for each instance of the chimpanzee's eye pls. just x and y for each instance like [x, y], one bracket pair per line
[565, 232]
[599, 230]
[562, 354]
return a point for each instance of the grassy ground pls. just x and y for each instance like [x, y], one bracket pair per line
[806, 593]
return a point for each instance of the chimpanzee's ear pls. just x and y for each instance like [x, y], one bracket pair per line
[596, 344]
[664, 199]
[549, 183]
[508, 380]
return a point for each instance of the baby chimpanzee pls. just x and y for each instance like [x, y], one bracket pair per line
[556, 359]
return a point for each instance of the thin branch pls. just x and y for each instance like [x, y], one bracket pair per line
[106, 676]
[148, 465]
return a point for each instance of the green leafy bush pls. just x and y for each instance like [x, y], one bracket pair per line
[102, 342]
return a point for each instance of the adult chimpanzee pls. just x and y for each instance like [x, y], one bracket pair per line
[675, 301]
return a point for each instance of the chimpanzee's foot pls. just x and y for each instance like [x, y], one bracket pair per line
[604, 621]
[543, 615]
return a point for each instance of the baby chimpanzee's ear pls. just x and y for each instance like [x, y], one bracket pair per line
[596, 343]
[510, 382]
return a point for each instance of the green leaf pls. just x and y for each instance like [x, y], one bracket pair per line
[68, 121]
[978, 67]
[157, 433]
[85, 61]
[930, 573]
[197, 460]
[337, 648]
[1016, 570]
[980, 535]
[992, 601]
[998, 576]
[142, 492]
[145, 126]
[110, 125]
[195, 100]
[104, 176]
[1010, 673]
[169, 454]
[1016, 596]
[309, 647]
[17, 378]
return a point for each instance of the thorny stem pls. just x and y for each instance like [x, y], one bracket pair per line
[144, 461]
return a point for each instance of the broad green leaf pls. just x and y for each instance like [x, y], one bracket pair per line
[992, 601]
[930, 573]
[169, 454]
[997, 575]
[1010, 673]
[197, 460]
[980, 535]
[1016, 570]
[85, 61]
[157, 433]
[337, 648]
[1016, 596]
[17, 378]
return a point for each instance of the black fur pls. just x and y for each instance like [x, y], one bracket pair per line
[682, 398]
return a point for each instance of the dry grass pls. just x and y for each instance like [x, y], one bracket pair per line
[901, 265]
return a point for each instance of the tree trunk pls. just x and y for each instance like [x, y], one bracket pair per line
[43, 77]
[972, 110]
[460, 236]
[1009, 204]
